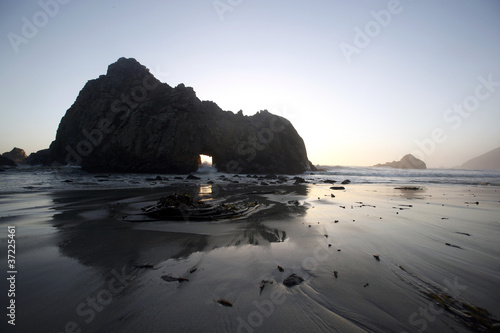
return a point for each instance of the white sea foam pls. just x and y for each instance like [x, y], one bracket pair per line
[27, 179]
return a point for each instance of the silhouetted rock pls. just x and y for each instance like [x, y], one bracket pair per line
[407, 162]
[486, 161]
[17, 155]
[4, 161]
[41, 157]
[128, 121]
[299, 180]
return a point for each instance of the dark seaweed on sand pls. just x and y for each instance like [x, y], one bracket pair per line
[182, 207]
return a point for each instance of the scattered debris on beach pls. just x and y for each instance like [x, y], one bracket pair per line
[472, 316]
[182, 207]
[146, 266]
[263, 284]
[170, 278]
[293, 280]
[224, 302]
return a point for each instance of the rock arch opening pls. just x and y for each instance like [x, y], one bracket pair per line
[205, 160]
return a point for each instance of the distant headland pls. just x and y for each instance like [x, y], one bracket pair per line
[486, 161]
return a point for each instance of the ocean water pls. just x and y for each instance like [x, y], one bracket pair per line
[438, 248]
[29, 179]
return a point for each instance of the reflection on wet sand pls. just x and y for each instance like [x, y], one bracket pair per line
[91, 229]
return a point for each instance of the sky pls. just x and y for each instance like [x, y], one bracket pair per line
[362, 81]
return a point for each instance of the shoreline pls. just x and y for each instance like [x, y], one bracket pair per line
[437, 251]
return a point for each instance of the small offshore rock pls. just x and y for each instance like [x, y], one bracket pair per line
[293, 280]
[280, 268]
[335, 273]
[192, 177]
[345, 182]
[376, 256]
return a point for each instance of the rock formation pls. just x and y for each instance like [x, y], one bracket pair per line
[17, 155]
[128, 121]
[4, 161]
[486, 161]
[407, 162]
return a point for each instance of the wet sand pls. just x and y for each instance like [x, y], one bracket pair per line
[81, 266]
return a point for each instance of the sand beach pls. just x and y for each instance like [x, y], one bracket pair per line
[367, 258]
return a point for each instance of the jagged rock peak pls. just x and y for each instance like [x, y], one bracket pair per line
[126, 67]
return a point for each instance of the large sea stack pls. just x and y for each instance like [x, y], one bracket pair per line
[128, 121]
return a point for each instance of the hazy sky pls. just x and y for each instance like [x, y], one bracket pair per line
[363, 82]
